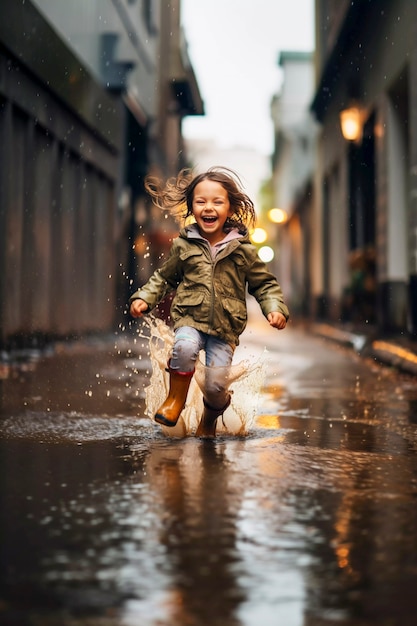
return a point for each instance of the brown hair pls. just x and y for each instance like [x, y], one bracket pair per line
[176, 196]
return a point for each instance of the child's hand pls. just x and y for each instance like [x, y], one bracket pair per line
[277, 320]
[138, 307]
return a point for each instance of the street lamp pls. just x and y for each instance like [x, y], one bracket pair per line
[351, 122]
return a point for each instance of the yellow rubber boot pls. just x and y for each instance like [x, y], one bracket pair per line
[169, 412]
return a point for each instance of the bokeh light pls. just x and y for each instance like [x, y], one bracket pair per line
[266, 254]
[259, 235]
[278, 216]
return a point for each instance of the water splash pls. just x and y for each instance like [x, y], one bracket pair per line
[244, 380]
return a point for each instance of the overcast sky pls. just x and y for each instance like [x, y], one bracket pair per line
[234, 47]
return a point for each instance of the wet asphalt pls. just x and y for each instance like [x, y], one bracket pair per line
[309, 519]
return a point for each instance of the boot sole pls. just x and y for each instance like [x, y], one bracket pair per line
[163, 420]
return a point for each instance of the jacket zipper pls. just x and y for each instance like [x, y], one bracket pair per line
[213, 263]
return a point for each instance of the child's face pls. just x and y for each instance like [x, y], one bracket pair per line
[211, 208]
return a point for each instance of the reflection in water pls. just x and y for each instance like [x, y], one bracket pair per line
[413, 411]
[150, 528]
[193, 485]
[307, 520]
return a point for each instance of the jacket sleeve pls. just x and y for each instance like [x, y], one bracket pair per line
[265, 288]
[161, 283]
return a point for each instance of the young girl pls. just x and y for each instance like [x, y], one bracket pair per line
[210, 265]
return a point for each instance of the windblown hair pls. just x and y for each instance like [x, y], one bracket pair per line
[176, 195]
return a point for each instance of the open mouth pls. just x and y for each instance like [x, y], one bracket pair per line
[209, 219]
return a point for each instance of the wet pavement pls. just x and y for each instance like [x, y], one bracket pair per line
[307, 520]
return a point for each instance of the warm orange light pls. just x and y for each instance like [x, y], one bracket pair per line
[278, 216]
[259, 235]
[351, 123]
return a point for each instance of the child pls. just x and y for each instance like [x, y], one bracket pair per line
[210, 265]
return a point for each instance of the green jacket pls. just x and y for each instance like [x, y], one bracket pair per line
[211, 292]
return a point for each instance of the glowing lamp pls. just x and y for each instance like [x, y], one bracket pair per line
[351, 123]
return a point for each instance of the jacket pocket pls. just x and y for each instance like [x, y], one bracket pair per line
[235, 314]
[190, 303]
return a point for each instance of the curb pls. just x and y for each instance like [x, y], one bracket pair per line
[389, 352]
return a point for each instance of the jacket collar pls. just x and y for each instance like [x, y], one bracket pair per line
[192, 232]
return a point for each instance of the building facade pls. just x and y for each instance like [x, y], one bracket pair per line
[293, 161]
[364, 215]
[91, 100]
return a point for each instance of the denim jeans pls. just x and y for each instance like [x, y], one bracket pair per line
[188, 343]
